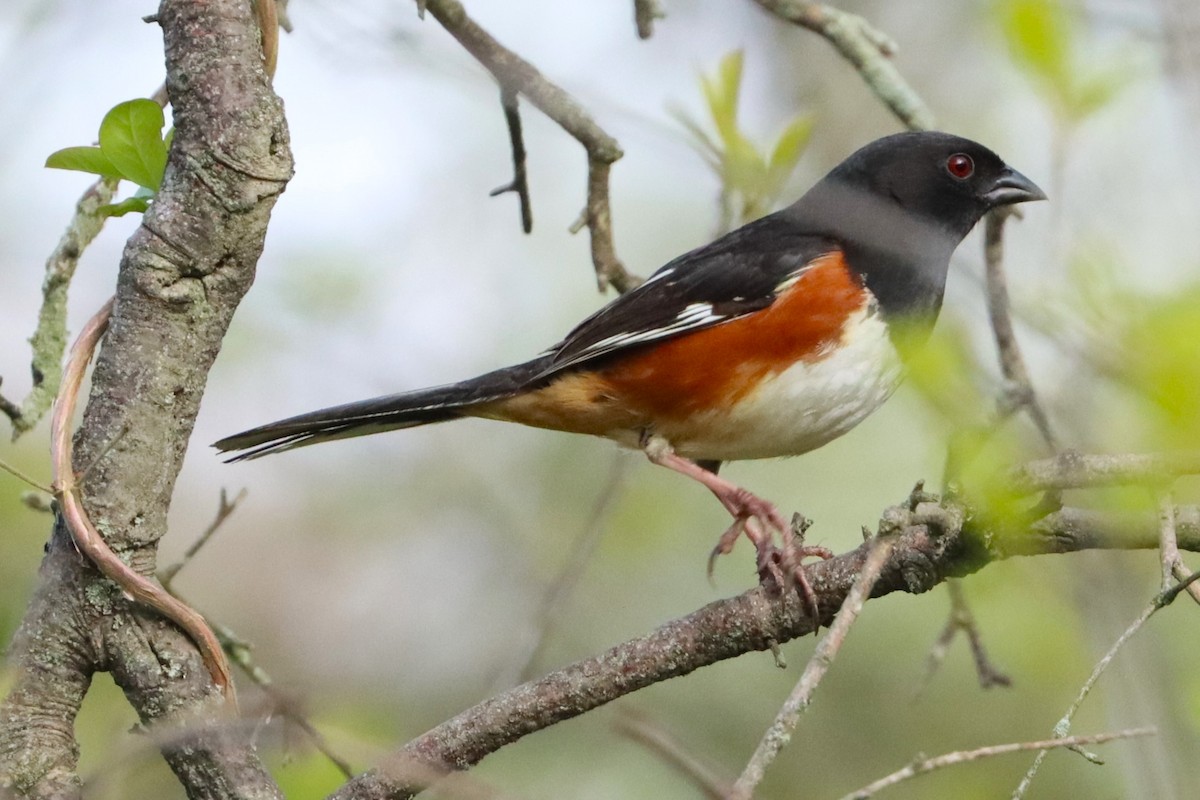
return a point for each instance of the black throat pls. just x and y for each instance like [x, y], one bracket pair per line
[902, 257]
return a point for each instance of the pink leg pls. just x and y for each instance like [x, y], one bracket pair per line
[752, 515]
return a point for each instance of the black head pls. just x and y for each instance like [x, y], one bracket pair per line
[947, 180]
[901, 204]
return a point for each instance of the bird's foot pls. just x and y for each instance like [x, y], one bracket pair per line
[779, 567]
[792, 562]
[756, 518]
[769, 556]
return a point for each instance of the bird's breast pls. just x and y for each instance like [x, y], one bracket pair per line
[801, 407]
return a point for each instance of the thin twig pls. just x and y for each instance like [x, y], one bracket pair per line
[239, 652]
[224, 509]
[827, 649]
[923, 765]
[1168, 548]
[509, 100]
[668, 748]
[554, 598]
[21, 476]
[1180, 571]
[88, 539]
[517, 75]
[1172, 562]
[1012, 362]
[644, 14]
[1063, 726]
[8, 408]
[866, 48]
[961, 620]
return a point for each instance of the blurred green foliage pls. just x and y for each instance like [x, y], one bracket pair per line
[1162, 337]
[1048, 43]
[752, 177]
[947, 375]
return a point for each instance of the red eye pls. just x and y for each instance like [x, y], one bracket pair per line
[960, 166]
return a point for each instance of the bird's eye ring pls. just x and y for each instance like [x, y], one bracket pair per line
[961, 166]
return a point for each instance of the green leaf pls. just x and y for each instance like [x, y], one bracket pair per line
[131, 138]
[722, 92]
[1163, 334]
[83, 159]
[745, 164]
[129, 205]
[751, 177]
[791, 144]
[1096, 91]
[787, 154]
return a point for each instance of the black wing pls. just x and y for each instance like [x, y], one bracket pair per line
[737, 274]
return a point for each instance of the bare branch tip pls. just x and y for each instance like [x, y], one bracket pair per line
[645, 12]
[9, 408]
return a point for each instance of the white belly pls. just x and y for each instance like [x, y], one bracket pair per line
[806, 405]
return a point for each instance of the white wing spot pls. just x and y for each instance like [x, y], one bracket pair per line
[658, 276]
[693, 316]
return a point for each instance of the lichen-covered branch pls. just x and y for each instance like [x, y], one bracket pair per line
[54, 659]
[1079, 471]
[929, 544]
[181, 277]
[49, 340]
[866, 48]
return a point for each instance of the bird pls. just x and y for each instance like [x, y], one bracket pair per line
[770, 341]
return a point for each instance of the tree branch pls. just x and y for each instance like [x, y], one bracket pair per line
[668, 748]
[785, 722]
[1078, 471]
[516, 75]
[929, 545]
[510, 102]
[1012, 363]
[53, 657]
[49, 340]
[961, 620]
[866, 48]
[181, 277]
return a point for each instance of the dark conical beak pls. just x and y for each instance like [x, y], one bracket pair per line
[1012, 187]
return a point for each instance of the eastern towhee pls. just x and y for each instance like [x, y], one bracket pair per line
[771, 341]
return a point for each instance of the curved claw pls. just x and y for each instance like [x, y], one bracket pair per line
[794, 556]
[725, 544]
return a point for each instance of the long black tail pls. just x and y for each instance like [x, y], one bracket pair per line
[391, 412]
